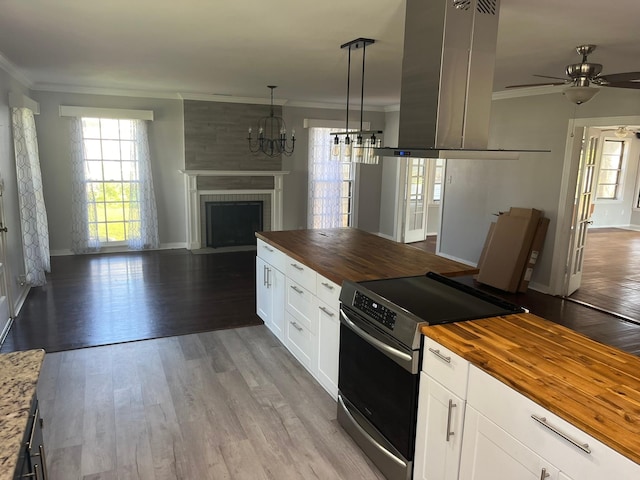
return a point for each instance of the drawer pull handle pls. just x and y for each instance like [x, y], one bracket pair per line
[328, 312]
[296, 289]
[296, 326]
[297, 267]
[451, 407]
[544, 474]
[440, 356]
[326, 285]
[34, 419]
[43, 459]
[267, 248]
[543, 421]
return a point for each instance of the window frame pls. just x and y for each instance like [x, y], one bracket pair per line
[620, 181]
[102, 220]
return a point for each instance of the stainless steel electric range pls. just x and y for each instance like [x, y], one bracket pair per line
[380, 355]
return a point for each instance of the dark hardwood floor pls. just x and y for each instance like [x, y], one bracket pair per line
[597, 325]
[92, 300]
[103, 299]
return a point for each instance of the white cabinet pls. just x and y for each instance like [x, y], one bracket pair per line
[439, 432]
[270, 288]
[300, 307]
[559, 446]
[270, 284]
[328, 347]
[490, 453]
[441, 407]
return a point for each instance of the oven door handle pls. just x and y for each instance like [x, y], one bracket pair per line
[373, 340]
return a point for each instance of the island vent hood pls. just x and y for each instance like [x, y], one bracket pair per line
[447, 80]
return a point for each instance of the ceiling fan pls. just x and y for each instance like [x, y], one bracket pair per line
[581, 75]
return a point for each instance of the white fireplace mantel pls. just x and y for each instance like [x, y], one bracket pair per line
[193, 197]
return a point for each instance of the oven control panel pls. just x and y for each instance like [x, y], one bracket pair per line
[380, 313]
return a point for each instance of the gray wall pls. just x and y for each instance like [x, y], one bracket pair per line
[481, 188]
[390, 173]
[15, 258]
[296, 183]
[166, 144]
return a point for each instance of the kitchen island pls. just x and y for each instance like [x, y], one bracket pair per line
[591, 386]
[350, 254]
[19, 372]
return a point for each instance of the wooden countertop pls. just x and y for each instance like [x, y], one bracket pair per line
[350, 254]
[19, 372]
[593, 386]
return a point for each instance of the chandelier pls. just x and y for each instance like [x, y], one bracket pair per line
[272, 135]
[356, 146]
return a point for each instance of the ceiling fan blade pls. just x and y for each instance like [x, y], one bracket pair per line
[535, 85]
[564, 79]
[623, 85]
[620, 77]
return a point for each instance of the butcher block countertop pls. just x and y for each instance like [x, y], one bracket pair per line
[593, 386]
[350, 254]
[19, 372]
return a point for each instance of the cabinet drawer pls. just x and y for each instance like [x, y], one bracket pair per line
[300, 303]
[446, 367]
[271, 255]
[300, 342]
[550, 436]
[328, 291]
[301, 274]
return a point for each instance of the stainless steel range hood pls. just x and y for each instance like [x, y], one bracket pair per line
[447, 80]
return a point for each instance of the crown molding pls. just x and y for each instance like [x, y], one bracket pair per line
[528, 92]
[9, 67]
[116, 92]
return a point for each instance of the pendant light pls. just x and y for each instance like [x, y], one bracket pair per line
[356, 146]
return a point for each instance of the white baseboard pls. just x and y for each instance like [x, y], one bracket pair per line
[164, 246]
[456, 259]
[21, 299]
[384, 235]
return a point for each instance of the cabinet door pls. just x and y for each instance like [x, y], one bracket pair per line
[277, 289]
[490, 453]
[301, 342]
[328, 348]
[263, 293]
[439, 432]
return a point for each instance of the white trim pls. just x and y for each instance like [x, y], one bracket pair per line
[456, 259]
[384, 235]
[45, 87]
[22, 297]
[120, 249]
[70, 111]
[9, 67]
[193, 195]
[19, 100]
[216, 97]
[528, 92]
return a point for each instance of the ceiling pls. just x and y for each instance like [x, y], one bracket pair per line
[236, 48]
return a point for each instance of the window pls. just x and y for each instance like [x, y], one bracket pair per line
[438, 174]
[610, 174]
[331, 184]
[111, 177]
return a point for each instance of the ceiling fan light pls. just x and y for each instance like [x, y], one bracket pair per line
[580, 95]
[621, 132]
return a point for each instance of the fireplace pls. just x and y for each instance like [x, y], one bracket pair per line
[232, 224]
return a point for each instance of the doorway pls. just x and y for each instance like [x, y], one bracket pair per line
[601, 191]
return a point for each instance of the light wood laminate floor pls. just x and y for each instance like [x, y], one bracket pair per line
[228, 404]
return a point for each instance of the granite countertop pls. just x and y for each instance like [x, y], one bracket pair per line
[590, 385]
[19, 372]
[351, 254]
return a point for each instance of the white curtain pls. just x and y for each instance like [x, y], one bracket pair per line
[143, 234]
[84, 231]
[143, 218]
[33, 215]
[325, 182]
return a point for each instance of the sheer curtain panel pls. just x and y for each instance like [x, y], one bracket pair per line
[33, 215]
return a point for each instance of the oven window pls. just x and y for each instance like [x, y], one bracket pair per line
[385, 393]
